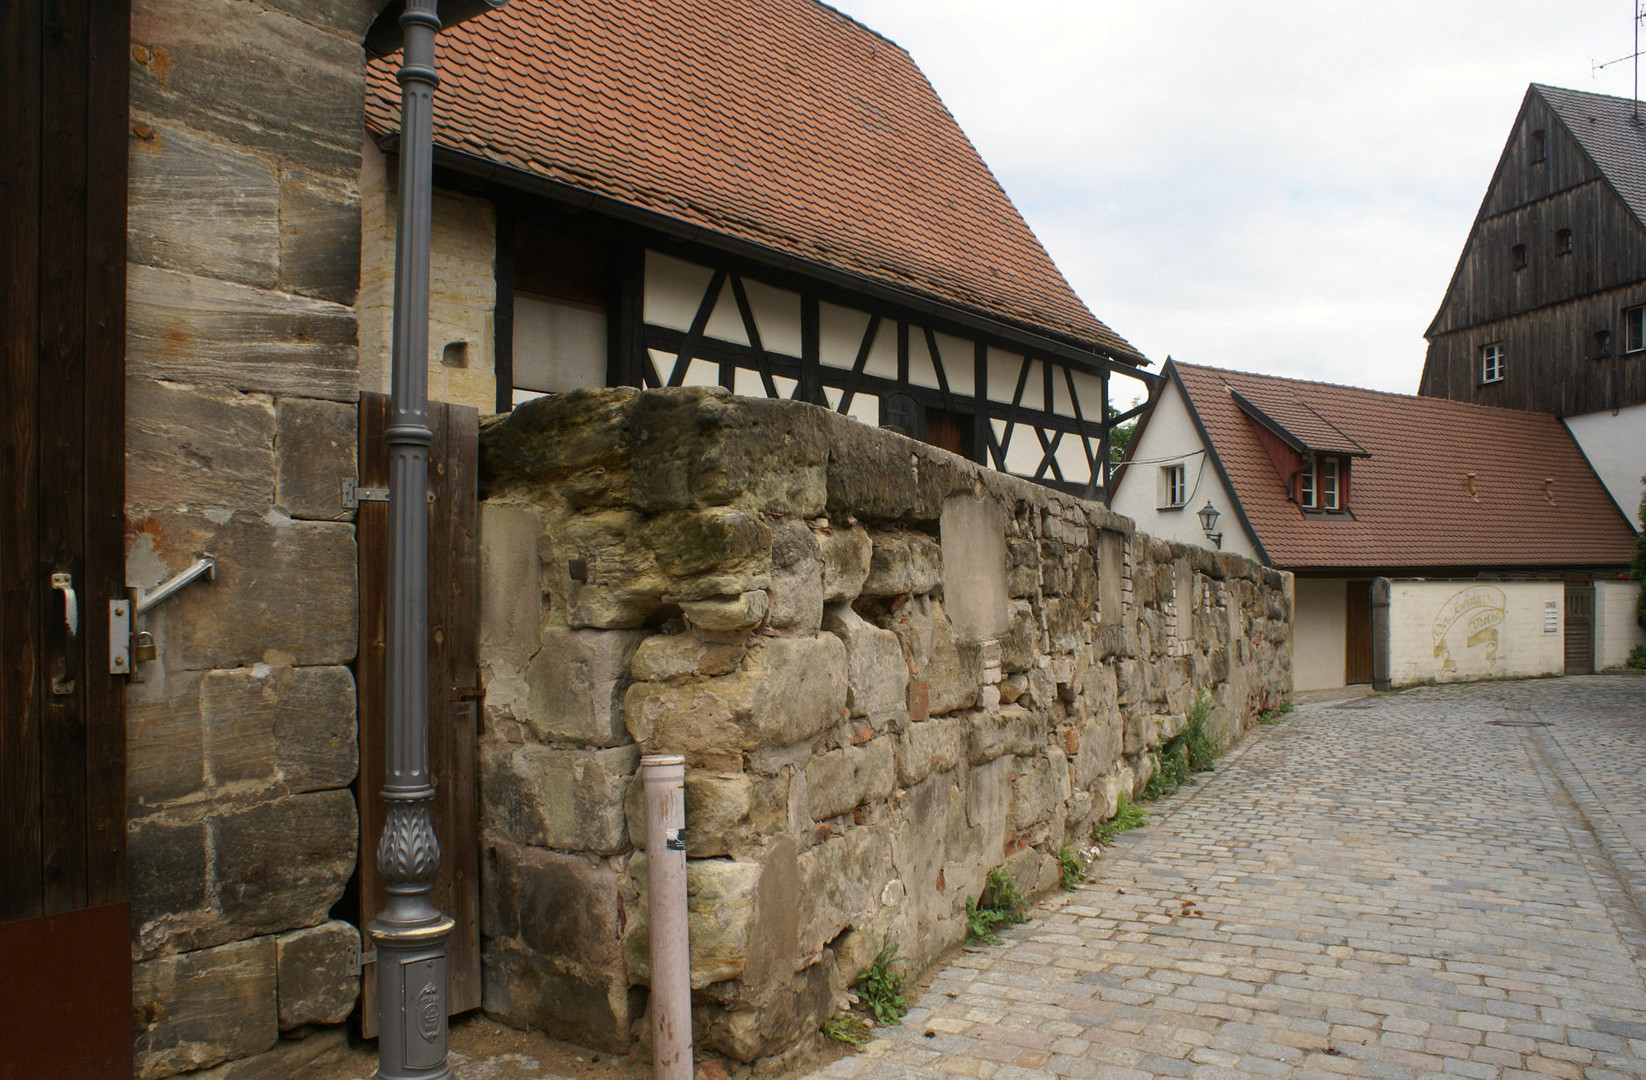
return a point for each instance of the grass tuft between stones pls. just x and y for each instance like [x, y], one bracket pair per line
[999, 904]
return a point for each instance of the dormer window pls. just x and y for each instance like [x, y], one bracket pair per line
[1322, 483]
[1328, 484]
[1539, 149]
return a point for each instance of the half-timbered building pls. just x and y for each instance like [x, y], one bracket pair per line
[1547, 307]
[633, 195]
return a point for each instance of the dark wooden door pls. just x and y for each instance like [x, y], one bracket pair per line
[1580, 627]
[1357, 634]
[65, 951]
[454, 679]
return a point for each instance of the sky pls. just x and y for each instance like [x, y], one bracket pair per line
[1268, 185]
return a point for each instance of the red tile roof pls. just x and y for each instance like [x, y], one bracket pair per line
[778, 122]
[1410, 500]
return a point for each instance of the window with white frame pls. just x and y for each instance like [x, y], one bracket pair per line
[1491, 363]
[1329, 484]
[1173, 488]
[1634, 329]
[1306, 487]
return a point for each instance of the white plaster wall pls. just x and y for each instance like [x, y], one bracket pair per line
[1170, 437]
[1455, 631]
[1617, 631]
[1615, 444]
[1320, 616]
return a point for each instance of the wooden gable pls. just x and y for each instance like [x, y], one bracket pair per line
[1516, 259]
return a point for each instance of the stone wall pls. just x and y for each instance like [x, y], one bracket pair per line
[244, 247]
[889, 671]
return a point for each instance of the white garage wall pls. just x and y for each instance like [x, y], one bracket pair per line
[1456, 631]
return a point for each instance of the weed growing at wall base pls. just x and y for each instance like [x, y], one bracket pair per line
[1000, 904]
[1270, 717]
[1069, 869]
[848, 1028]
[1191, 750]
[881, 988]
[1127, 816]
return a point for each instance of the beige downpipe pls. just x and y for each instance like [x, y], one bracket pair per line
[664, 776]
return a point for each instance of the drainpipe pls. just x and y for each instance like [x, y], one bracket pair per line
[410, 932]
[671, 994]
[1381, 590]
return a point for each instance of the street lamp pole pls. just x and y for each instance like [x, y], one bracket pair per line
[410, 932]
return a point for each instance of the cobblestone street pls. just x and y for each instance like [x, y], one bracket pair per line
[1446, 882]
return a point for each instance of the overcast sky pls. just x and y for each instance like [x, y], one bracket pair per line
[1273, 186]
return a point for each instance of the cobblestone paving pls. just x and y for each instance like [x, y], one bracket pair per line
[1441, 883]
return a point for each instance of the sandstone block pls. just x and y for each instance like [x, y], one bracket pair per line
[903, 562]
[1138, 731]
[721, 917]
[288, 726]
[973, 536]
[316, 451]
[178, 454]
[570, 800]
[319, 235]
[842, 779]
[583, 433]
[202, 205]
[1013, 730]
[197, 1009]
[622, 586]
[841, 881]
[192, 330]
[511, 601]
[744, 611]
[953, 678]
[569, 909]
[752, 1028]
[314, 981]
[846, 551]
[797, 578]
[700, 447]
[167, 860]
[1102, 741]
[718, 809]
[1021, 642]
[933, 746]
[988, 798]
[789, 690]
[877, 676]
[1040, 787]
[283, 864]
[871, 473]
[576, 685]
[165, 753]
[662, 657]
[713, 552]
[307, 1052]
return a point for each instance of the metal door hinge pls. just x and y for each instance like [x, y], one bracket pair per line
[354, 494]
[357, 958]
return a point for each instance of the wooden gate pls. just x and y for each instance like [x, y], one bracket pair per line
[1357, 634]
[454, 679]
[65, 938]
[1580, 627]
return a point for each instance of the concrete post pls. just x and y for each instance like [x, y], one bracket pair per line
[671, 991]
[1382, 661]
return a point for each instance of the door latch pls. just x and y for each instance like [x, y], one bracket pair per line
[62, 677]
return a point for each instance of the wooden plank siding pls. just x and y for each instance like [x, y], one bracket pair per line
[454, 634]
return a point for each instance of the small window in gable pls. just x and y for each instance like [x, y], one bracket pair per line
[1634, 329]
[1540, 151]
[1491, 363]
[1563, 242]
[1173, 489]
[1518, 252]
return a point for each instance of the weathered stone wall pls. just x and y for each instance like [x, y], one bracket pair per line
[244, 238]
[889, 670]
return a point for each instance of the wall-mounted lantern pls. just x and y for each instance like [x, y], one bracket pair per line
[1208, 523]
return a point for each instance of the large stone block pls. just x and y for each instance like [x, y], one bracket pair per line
[1040, 787]
[718, 551]
[193, 447]
[953, 677]
[974, 558]
[166, 862]
[618, 583]
[165, 741]
[319, 235]
[877, 676]
[903, 562]
[541, 994]
[202, 205]
[284, 591]
[719, 807]
[194, 330]
[797, 579]
[789, 690]
[289, 726]
[577, 682]
[752, 1027]
[846, 551]
[842, 779]
[581, 438]
[663, 657]
[197, 1009]
[306, 1052]
[841, 882]
[933, 746]
[283, 864]
[700, 447]
[511, 601]
[316, 985]
[570, 800]
[316, 452]
[217, 66]
[1011, 730]
[871, 472]
[722, 916]
[569, 910]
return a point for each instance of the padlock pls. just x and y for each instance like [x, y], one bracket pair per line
[143, 649]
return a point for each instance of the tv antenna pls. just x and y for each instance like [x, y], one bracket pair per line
[1594, 67]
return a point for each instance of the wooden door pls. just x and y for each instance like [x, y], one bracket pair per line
[65, 941]
[1357, 634]
[1580, 627]
[454, 679]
